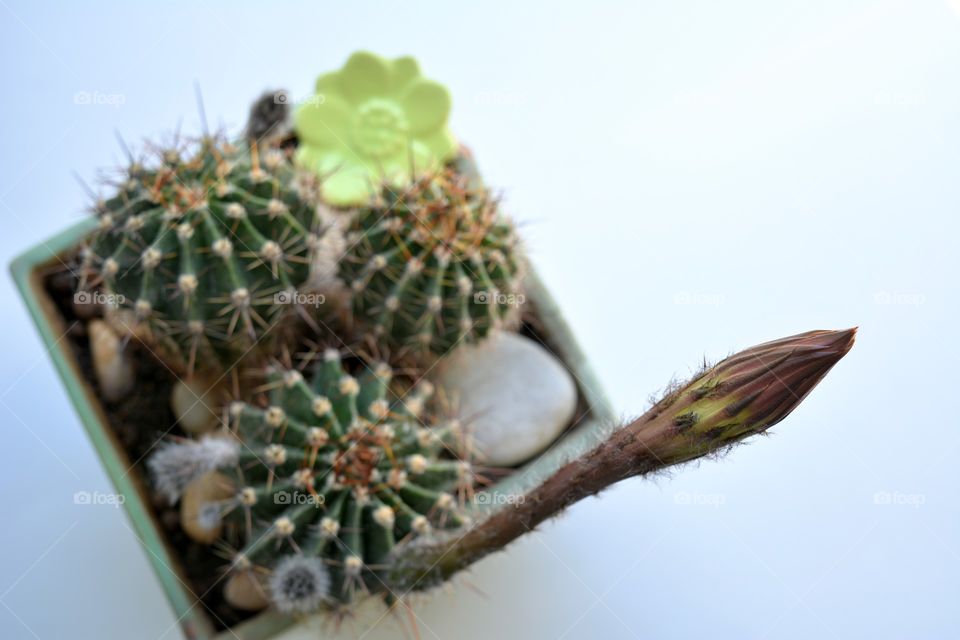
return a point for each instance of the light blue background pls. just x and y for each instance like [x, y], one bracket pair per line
[693, 177]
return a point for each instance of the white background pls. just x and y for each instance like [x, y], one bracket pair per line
[693, 177]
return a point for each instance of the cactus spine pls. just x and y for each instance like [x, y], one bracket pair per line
[198, 245]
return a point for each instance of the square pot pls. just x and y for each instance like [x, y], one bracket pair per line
[28, 271]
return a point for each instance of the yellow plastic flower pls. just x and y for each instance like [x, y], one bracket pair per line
[373, 120]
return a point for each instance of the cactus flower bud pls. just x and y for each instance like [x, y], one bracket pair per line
[748, 392]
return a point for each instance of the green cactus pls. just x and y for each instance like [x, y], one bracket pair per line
[199, 244]
[338, 469]
[432, 266]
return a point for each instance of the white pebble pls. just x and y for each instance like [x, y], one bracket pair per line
[516, 396]
[192, 401]
[111, 363]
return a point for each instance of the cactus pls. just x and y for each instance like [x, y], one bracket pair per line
[432, 266]
[329, 477]
[198, 246]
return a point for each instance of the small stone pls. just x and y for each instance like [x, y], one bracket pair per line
[199, 517]
[124, 322]
[269, 116]
[111, 363]
[191, 401]
[243, 590]
[515, 396]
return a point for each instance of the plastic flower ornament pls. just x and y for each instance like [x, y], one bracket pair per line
[373, 120]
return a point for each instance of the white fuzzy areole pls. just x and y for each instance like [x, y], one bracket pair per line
[515, 396]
